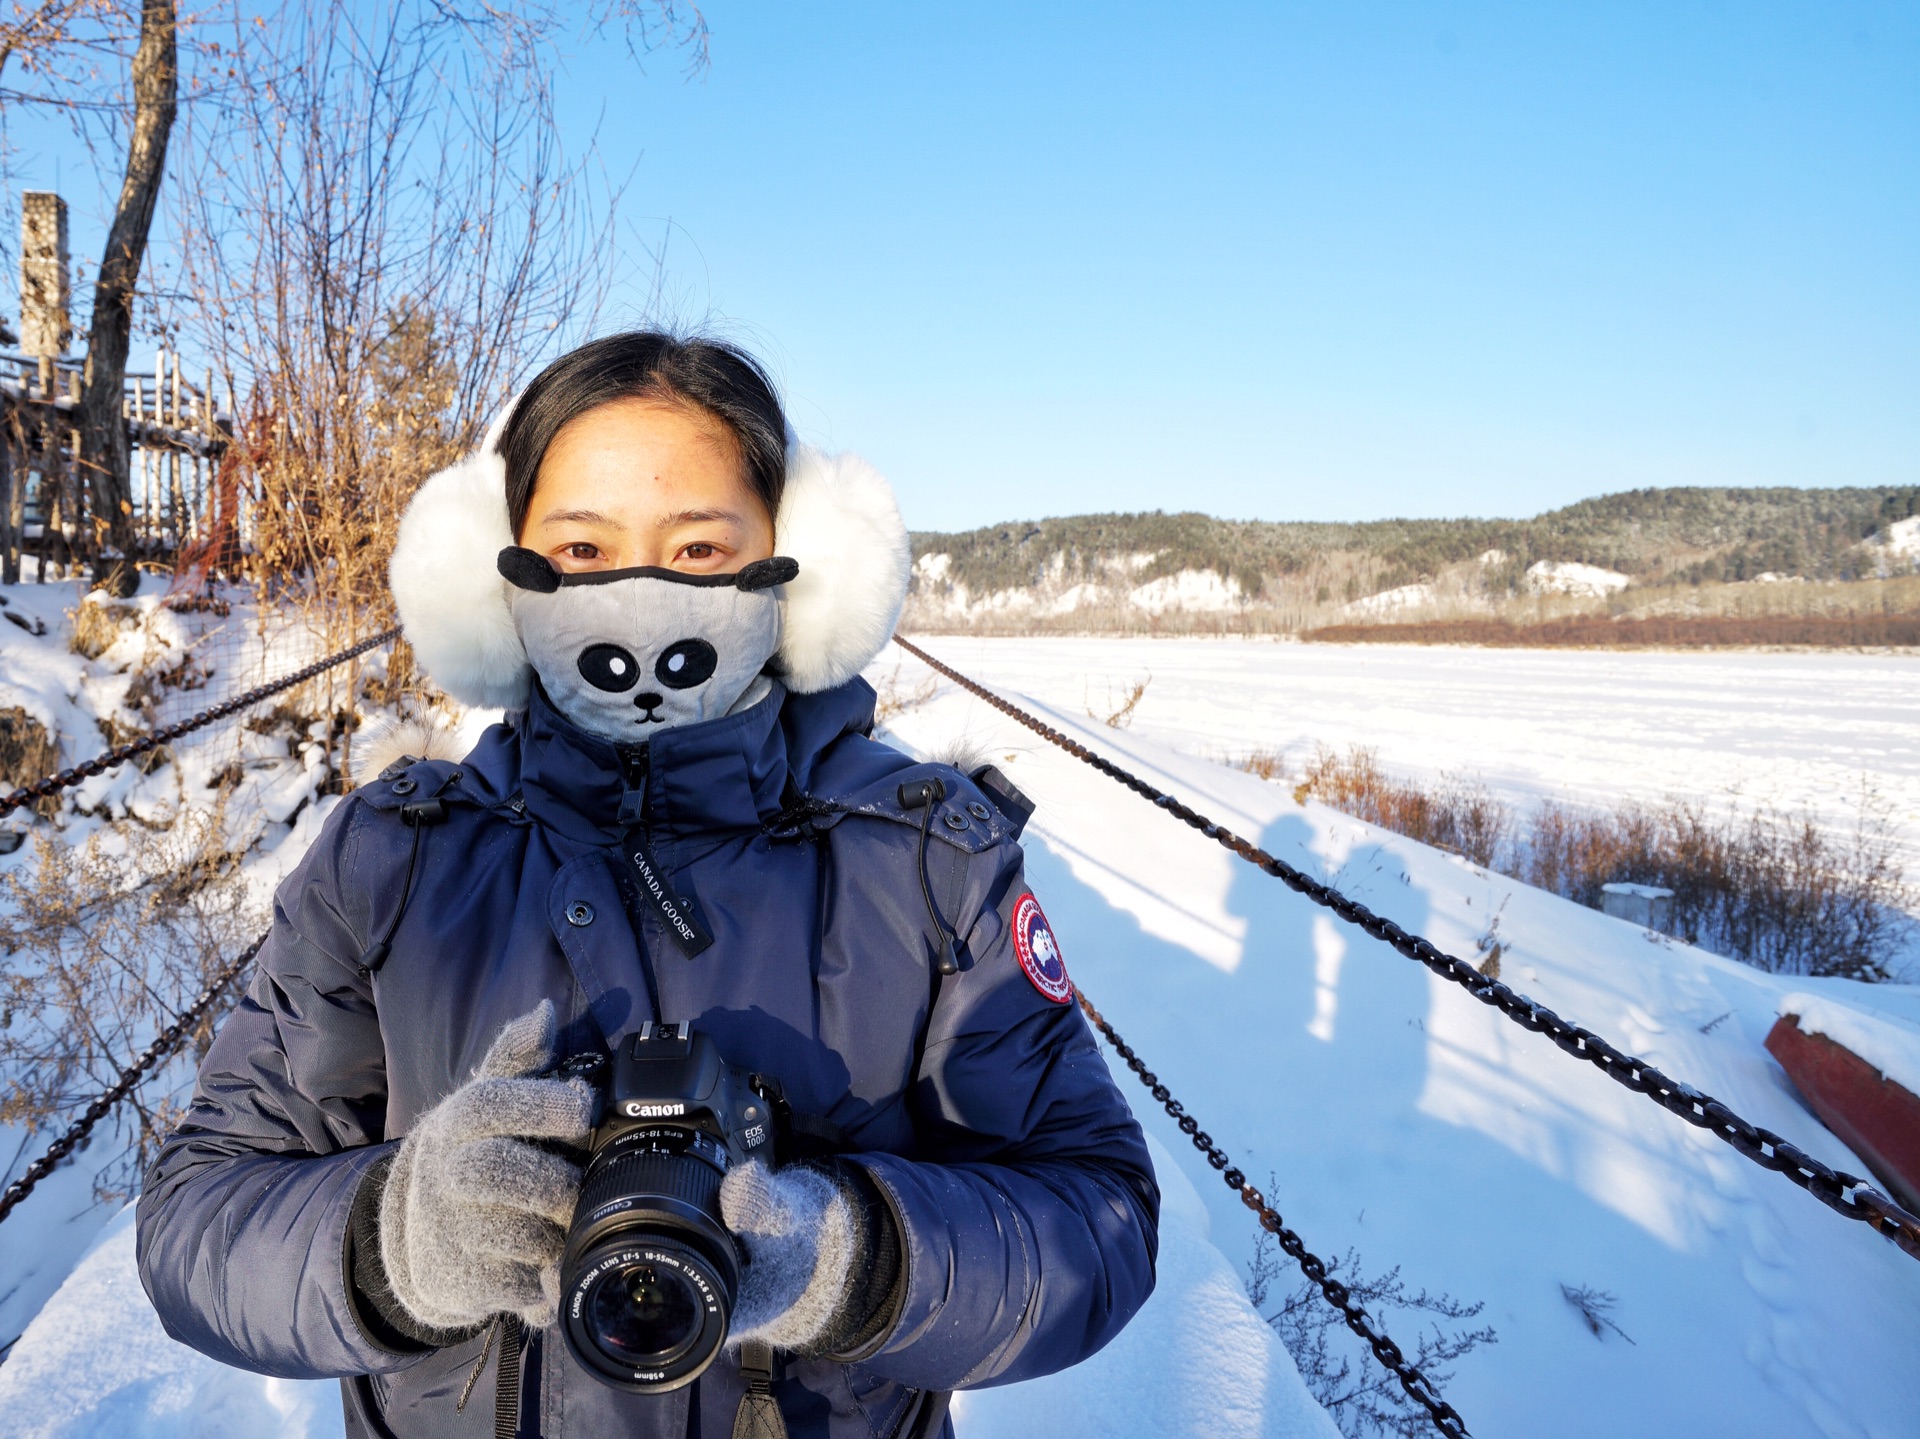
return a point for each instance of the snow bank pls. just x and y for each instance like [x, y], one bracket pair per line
[1201, 590]
[1407, 597]
[1195, 1361]
[97, 1363]
[1901, 538]
[1568, 577]
[1890, 1045]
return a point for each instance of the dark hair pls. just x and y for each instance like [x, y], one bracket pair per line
[726, 382]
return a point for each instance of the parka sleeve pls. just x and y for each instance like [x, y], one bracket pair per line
[1029, 1215]
[242, 1221]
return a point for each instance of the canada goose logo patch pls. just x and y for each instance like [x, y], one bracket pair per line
[1039, 951]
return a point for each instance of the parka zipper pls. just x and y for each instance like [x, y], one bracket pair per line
[682, 924]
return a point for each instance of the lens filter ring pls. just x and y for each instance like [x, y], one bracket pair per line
[647, 1315]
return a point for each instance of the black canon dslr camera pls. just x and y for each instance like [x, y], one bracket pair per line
[650, 1272]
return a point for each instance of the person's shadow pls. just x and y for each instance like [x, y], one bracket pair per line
[1317, 1064]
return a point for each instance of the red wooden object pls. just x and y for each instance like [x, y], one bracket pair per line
[1879, 1120]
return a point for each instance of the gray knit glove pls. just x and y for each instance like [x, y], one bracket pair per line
[824, 1272]
[472, 1217]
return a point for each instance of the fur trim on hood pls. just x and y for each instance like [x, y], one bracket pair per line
[837, 518]
[386, 742]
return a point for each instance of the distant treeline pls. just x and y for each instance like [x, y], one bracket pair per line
[1655, 536]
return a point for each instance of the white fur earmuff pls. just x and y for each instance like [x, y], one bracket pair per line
[837, 518]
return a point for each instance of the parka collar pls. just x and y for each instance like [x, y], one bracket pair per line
[718, 776]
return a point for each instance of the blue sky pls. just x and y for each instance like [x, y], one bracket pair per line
[1288, 260]
[1326, 261]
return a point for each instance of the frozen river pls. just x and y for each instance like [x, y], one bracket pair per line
[1794, 729]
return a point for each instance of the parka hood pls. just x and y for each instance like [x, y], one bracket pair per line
[838, 520]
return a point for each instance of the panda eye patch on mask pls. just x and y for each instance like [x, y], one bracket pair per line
[624, 653]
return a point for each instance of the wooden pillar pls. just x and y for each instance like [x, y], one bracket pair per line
[45, 281]
[9, 535]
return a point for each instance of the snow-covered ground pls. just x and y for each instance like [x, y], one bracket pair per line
[1403, 1119]
[1396, 1117]
[1795, 729]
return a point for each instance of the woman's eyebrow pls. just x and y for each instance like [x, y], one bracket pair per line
[698, 517]
[581, 517]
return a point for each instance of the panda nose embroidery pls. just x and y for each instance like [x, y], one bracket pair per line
[648, 703]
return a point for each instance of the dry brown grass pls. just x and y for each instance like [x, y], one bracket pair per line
[1452, 815]
[1772, 888]
[1268, 764]
[1598, 631]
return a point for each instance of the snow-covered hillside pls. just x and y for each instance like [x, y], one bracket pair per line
[1396, 1117]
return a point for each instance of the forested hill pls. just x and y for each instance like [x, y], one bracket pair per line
[1652, 536]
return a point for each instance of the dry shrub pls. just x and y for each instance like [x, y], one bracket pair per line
[27, 753]
[105, 942]
[894, 698]
[1122, 717]
[1269, 764]
[1769, 887]
[1772, 888]
[1363, 1397]
[97, 627]
[1454, 814]
[1598, 631]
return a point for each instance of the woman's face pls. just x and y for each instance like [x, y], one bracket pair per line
[642, 482]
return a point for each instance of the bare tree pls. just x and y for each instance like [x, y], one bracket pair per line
[379, 233]
[103, 434]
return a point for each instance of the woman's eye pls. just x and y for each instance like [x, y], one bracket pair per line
[583, 551]
[699, 551]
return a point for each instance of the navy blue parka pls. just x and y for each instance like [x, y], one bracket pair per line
[978, 1104]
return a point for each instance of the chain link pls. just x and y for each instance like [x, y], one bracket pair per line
[100, 764]
[1844, 1193]
[164, 1044]
[1445, 1417]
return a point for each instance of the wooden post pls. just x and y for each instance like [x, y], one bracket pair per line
[9, 539]
[10, 439]
[45, 281]
[52, 510]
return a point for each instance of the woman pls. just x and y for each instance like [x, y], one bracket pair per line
[683, 818]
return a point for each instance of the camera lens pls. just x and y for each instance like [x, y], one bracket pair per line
[650, 1272]
[644, 1313]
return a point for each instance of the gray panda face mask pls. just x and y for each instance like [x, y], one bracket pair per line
[626, 653]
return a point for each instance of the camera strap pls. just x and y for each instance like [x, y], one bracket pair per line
[675, 913]
[758, 1416]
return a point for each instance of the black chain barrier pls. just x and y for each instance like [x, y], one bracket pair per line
[1844, 1193]
[163, 1046]
[100, 764]
[1445, 1417]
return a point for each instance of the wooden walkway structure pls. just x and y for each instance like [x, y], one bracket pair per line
[175, 435]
